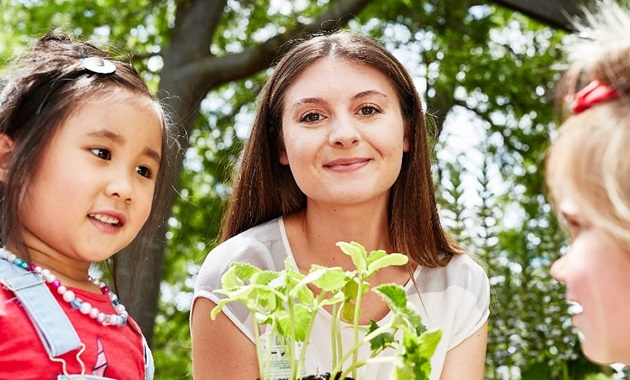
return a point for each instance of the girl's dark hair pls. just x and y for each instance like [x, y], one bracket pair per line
[264, 189]
[46, 85]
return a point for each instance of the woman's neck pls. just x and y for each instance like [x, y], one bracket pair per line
[313, 234]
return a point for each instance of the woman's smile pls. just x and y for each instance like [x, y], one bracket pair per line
[347, 164]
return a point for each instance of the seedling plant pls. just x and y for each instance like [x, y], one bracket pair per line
[284, 306]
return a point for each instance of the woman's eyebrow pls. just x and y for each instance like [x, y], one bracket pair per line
[363, 94]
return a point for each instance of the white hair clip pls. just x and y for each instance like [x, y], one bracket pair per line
[98, 65]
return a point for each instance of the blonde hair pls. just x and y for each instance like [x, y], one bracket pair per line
[591, 154]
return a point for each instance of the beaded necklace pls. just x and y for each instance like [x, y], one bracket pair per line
[119, 319]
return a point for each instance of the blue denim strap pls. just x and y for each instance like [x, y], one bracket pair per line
[52, 324]
[149, 365]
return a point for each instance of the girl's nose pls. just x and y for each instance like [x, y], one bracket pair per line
[120, 186]
[558, 269]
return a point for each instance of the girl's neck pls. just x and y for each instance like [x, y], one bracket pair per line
[71, 273]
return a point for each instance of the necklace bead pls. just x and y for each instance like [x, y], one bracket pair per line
[119, 319]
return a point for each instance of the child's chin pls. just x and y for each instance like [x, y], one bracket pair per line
[595, 354]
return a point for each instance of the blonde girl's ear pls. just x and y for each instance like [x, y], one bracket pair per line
[6, 151]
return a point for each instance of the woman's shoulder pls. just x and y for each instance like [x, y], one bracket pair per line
[258, 240]
[462, 271]
[262, 246]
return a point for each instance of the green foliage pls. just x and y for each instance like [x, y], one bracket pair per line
[284, 303]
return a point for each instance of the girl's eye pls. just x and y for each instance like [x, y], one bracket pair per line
[574, 227]
[144, 171]
[102, 153]
[574, 224]
[311, 117]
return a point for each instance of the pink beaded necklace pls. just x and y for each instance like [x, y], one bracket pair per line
[119, 319]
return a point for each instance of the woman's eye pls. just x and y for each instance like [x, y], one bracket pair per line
[368, 110]
[311, 117]
[102, 153]
[144, 171]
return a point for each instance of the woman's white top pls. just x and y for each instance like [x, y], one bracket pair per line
[454, 298]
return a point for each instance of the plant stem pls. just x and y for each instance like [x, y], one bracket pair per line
[355, 326]
[333, 335]
[261, 368]
[355, 349]
[307, 335]
[291, 337]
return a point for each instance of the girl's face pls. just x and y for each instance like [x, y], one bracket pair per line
[93, 189]
[596, 271]
[343, 133]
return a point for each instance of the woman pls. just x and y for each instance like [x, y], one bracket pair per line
[338, 152]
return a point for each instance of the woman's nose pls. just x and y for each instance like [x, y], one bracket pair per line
[344, 132]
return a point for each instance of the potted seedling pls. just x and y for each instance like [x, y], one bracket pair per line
[284, 307]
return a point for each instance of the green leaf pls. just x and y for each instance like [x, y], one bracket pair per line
[429, 341]
[217, 309]
[351, 289]
[375, 255]
[357, 252]
[393, 294]
[347, 312]
[301, 320]
[263, 277]
[380, 341]
[231, 279]
[332, 280]
[397, 259]
[245, 271]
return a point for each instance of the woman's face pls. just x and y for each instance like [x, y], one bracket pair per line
[596, 271]
[343, 133]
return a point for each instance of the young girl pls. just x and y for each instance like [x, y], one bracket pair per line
[588, 171]
[339, 152]
[82, 156]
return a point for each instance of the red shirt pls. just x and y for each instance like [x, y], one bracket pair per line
[112, 352]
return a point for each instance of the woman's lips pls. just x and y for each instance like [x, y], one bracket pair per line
[347, 164]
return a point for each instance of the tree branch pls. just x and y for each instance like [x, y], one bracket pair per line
[216, 71]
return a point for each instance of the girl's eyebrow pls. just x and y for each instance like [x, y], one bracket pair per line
[117, 138]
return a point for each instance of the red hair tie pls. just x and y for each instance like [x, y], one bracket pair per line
[594, 93]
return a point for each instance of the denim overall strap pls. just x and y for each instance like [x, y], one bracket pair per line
[52, 325]
[149, 365]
